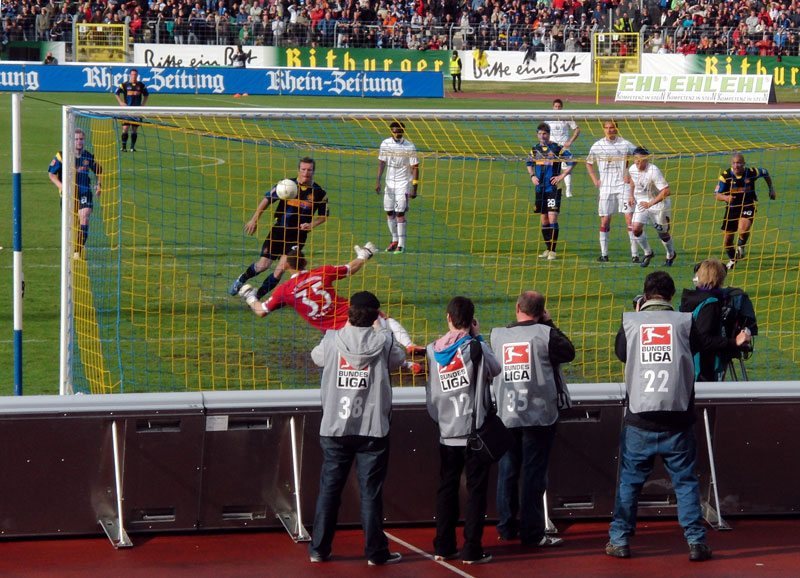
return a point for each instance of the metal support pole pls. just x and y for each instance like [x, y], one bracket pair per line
[293, 521]
[713, 516]
[115, 528]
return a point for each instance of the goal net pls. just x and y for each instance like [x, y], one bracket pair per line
[146, 306]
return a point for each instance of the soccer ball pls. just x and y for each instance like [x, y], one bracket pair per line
[286, 189]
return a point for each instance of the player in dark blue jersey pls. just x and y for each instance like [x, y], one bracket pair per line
[85, 164]
[546, 165]
[737, 187]
[294, 218]
[131, 93]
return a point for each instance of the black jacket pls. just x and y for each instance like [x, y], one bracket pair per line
[709, 325]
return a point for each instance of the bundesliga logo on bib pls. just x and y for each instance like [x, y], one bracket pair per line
[516, 362]
[348, 377]
[454, 374]
[655, 341]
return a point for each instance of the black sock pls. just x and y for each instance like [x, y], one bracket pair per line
[268, 285]
[133, 140]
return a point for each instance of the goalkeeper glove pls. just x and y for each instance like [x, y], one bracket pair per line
[366, 252]
[248, 294]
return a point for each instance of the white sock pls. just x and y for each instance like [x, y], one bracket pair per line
[393, 228]
[634, 243]
[401, 233]
[400, 333]
[604, 242]
[643, 243]
[568, 183]
[668, 247]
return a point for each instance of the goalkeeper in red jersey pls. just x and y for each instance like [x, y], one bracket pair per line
[311, 294]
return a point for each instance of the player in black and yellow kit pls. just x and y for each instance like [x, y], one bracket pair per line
[85, 164]
[737, 187]
[131, 93]
[294, 218]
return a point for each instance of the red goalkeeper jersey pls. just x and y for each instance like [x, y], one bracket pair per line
[312, 295]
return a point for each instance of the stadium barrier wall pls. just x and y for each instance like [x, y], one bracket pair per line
[223, 460]
[267, 81]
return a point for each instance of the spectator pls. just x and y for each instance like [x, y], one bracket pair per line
[705, 302]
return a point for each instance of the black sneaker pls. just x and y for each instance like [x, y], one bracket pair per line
[123, 149]
[394, 558]
[133, 150]
[730, 264]
[635, 259]
[622, 551]
[445, 557]
[484, 559]
[319, 558]
[647, 258]
[602, 259]
[699, 552]
[671, 260]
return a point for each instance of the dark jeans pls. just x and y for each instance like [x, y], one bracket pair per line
[638, 449]
[529, 457]
[455, 460]
[372, 460]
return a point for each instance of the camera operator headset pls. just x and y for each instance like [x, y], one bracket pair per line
[705, 302]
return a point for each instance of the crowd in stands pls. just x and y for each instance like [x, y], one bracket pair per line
[683, 26]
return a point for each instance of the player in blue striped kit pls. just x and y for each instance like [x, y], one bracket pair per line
[546, 166]
[85, 164]
[131, 93]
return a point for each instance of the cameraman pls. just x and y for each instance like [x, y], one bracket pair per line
[656, 343]
[718, 349]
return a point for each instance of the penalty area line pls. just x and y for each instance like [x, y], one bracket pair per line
[428, 556]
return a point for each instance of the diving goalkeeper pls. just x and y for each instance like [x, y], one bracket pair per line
[312, 295]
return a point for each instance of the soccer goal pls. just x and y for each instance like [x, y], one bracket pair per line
[146, 303]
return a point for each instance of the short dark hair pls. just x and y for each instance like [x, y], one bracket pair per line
[543, 126]
[397, 124]
[361, 316]
[461, 311]
[296, 260]
[558, 100]
[307, 161]
[659, 283]
[364, 309]
[531, 303]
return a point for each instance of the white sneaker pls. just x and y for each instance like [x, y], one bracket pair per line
[730, 264]
[551, 256]
[545, 255]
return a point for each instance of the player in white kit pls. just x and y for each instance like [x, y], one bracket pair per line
[610, 154]
[564, 132]
[649, 195]
[398, 156]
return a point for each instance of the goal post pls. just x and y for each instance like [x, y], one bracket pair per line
[613, 54]
[147, 308]
[101, 42]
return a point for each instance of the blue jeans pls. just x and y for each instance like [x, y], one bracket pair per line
[372, 460]
[529, 456]
[638, 449]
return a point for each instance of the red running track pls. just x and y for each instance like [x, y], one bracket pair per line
[755, 547]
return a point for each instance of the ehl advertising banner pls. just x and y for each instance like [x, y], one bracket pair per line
[267, 81]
